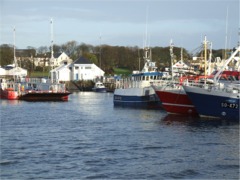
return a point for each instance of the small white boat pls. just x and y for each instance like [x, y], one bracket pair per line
[99, 87]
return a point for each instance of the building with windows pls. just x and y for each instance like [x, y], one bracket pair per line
[60, 59]
[80, 69]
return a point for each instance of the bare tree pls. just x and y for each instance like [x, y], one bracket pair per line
[69, 47]
[42, 49]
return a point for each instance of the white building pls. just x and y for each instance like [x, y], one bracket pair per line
[61, 73]
[83, 69]
[80, 69]
[58, 60]
[10, 70]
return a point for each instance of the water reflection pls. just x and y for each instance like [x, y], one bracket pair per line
[174, 119]
[6, 102]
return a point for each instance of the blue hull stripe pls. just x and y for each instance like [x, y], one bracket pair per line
[137, 101]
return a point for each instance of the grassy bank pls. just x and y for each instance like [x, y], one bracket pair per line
[118, 71]
[38, 74]
[122, 71]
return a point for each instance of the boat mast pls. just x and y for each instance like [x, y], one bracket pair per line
[14, 47]
[100, 51]
[171, 54]
[14, 53]
[139, 60]
[146, 48]
[52, 58]
[210, 58]
[181, 55]
[146, 29]
[226, 36]
[205, 57]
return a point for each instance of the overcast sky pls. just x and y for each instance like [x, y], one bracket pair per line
[121, 22]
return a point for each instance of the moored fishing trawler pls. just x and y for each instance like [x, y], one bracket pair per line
[136, 91]
[174, 98]
[217, 100]
[172, 95]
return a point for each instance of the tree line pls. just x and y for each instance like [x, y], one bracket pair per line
[105, 56]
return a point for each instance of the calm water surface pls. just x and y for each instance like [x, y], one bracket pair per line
[89, 138]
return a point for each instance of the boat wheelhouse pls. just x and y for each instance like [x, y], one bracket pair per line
[99, 87]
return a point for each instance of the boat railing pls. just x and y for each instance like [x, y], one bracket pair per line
[36, 80]
[229, 87]
[128, 83]
[167, 84]
[59, 88]
[41, 87]
[52, 87]
[9, 85]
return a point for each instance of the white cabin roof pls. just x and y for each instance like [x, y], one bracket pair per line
[180, 64]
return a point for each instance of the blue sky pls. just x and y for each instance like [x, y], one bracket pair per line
[121, 22]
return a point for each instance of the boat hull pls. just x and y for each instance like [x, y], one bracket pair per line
[102, 90]
[45, 96]
[146, 102]
[214, 104]
[176, 101]
[8, 94]
[137, 98]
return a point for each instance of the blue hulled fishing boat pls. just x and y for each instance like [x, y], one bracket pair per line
[217, 100]
[136, 91]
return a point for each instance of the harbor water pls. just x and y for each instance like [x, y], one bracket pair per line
[88, 138]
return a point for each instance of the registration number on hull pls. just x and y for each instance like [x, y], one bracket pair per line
[229, 105]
